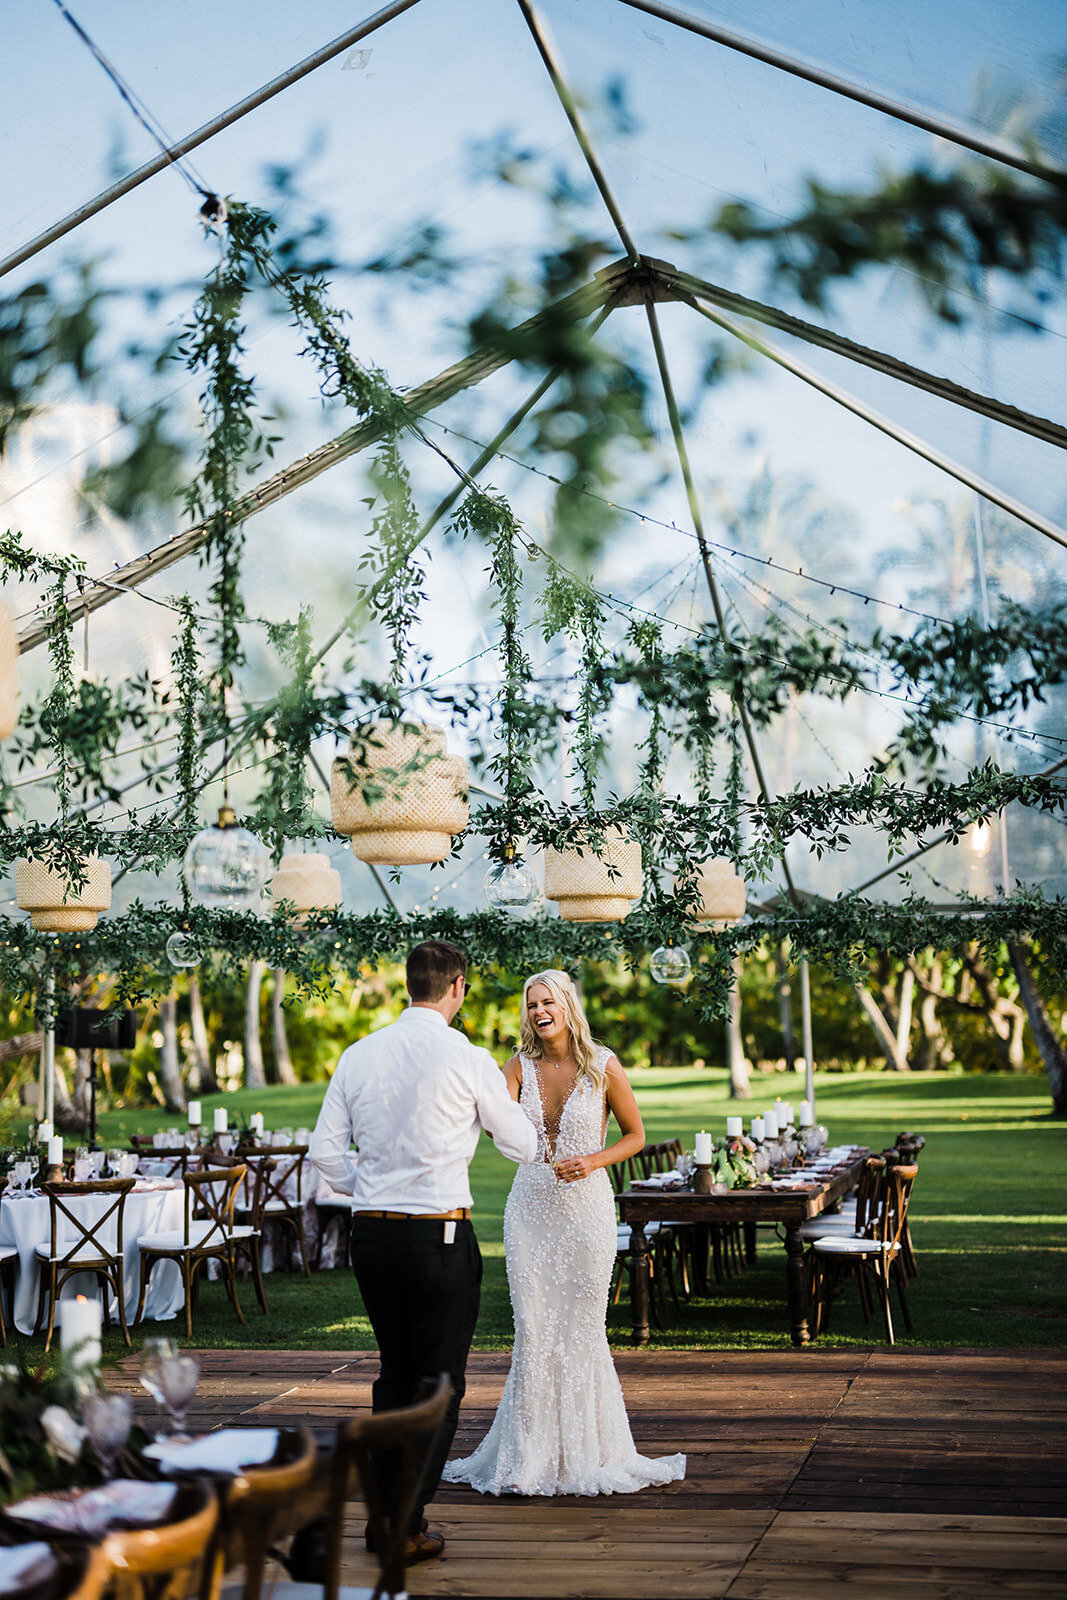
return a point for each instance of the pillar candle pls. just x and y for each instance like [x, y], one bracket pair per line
[256, 1122]
[45, 1131]
[79, 1326]
[55, 1150]
[702, 1149]
[196, 1115]
[785, 1114]
[735, 1127]
[220, 1119]
[770, 1124]
[807, 1119]
[757, 1129]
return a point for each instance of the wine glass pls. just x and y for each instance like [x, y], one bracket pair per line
[153, 1353]
[23, 1173]
[178, 1378]
[107, 1419]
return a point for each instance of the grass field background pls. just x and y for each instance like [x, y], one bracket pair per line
[989, 1218]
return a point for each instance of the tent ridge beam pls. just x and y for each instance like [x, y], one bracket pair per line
[668, 282]
[930, 122]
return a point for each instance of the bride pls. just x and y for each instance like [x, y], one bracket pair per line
[561, 1427]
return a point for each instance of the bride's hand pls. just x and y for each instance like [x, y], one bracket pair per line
[572, 1168]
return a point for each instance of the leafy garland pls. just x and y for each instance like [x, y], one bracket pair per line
[841, 934]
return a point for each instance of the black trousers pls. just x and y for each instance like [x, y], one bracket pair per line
[422, 1297]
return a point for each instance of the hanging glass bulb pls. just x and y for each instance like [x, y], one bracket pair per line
[509, 885]
[182, 949]
[225, 866]
[670, 964]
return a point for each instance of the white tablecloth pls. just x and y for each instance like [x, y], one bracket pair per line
[24, 1224]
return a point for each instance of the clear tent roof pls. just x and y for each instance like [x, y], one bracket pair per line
[393, 134]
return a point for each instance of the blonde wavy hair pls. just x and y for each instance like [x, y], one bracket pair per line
[583, 1045]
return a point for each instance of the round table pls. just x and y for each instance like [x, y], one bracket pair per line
[152, 1207]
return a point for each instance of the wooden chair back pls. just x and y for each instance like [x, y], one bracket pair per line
[81, 1235]
[172, 1560]
[258, 1506]
[869, 1194]
[252, 1190]
[205, 1203]
[176, 1155]
[287, 1163]
[896, 1197]
[410, 1430]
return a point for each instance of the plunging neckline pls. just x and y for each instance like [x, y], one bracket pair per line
[550, 1144]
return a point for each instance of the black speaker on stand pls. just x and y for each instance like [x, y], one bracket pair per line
[88, 1028]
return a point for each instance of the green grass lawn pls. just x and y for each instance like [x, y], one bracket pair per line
[989, 1219]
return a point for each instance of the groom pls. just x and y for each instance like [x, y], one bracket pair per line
[413, 1098]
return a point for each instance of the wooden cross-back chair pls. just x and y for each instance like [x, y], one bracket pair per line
[283, 1169]
[177, 1156]
[258, 1505]
[209, 1234]
[170, 1560]
[411, 1431]
[875, 1255]
[248, 1210]
[75, 1245]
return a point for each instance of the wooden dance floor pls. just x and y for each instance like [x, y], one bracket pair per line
[815, 1473]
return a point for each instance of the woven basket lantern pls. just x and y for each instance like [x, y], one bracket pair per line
[9, 673]
[309, 882]
[585, 888]
[56, 908]
[424, 799]
[721, 891]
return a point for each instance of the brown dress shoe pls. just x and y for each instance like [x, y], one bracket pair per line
[423, 1546]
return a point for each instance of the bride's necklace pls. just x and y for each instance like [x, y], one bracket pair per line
[552, 1124]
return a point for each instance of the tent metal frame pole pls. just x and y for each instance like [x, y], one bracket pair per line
[705, 554]
[225, 119]
[570, 108]
[911, 441]
[930, 122]
[805, 1032]
[890, 366]
[48, 1049]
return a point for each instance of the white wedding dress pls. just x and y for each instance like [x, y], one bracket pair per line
[561, 1427]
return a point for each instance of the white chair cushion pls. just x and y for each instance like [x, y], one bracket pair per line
[84, 1252]
[826, 1227]
[849, 1245]
[622, 1233]
[7, 1251]
[174, 1238]
[281, 1205]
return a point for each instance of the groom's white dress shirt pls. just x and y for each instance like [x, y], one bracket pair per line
[413, 1097]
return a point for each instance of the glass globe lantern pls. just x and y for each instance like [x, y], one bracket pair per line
[510, 885]
[670, 964]
[182, 949]
[225, 866]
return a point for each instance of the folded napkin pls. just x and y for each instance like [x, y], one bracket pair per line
[151, 1185]
[228, 1450]
[91, 1512]
[659, 1180]
[24, 1566]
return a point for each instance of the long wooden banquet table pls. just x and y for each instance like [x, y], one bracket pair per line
[789, 1206]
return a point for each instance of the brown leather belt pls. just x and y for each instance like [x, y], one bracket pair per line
[460, 1214]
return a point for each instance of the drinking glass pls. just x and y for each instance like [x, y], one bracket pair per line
[114, 1163]
[83, 1169]
[178, 1378]
[107, 1419]
[153, 1353]
[23, 1173]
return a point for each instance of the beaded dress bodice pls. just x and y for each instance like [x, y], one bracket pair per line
[561, 1427]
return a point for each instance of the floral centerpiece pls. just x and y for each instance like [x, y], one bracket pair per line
[44, 1444]
[732, 1164]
